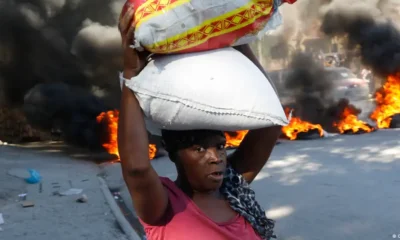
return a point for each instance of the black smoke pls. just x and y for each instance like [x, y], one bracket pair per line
[378, 42]
[311, 87]
[69, 41]
[59, 59]
[66, 109]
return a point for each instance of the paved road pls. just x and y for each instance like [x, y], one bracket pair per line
[344, 187]
[53, 217]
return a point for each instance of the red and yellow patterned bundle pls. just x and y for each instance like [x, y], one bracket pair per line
[179, 26]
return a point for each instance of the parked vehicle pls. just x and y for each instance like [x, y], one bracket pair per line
[347, 84]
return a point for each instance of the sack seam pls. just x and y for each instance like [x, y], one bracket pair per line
[218, 111]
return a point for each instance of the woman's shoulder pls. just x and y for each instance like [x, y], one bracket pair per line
[175, 195]
[177, 200]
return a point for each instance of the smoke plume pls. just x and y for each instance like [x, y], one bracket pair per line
[66, 109]
[70, 41]
[365, 26]
[311, 86]
[304, 19]
[66, 51]
[379, 42]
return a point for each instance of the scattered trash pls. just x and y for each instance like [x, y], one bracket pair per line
[116, 195]
[71, 191]
[85, 180]
[34, 176]
[31, 176]
[1, 219]
[82, 199]
[22, 196]
[3, 143]
[27, 204]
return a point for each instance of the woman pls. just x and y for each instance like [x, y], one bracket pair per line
[211, 198]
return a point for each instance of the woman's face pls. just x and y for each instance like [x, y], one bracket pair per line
[204, 163]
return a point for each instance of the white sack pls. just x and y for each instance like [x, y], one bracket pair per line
[219, 89]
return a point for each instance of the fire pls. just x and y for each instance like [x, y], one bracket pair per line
[234, 139]
[152, 151]
[296, 126]
[350, 122]
[387, 102]
[110, 119]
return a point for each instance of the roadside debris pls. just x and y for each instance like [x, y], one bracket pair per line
[116, 195]
[69, 192]
[22, 196]
[34, 177]
[82, 199]
[3, 143]
[27, 204]
[30, 175]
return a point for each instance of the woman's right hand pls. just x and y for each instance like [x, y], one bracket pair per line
[134, 61]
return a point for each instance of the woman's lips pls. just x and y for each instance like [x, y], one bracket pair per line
[216, 176]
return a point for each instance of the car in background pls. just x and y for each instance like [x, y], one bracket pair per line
[345, 84]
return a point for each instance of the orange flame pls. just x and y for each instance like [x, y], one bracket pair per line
[234, 139]
[152, 151]
[387, 102]
[350, 122]
[296, 126]
[110, 119]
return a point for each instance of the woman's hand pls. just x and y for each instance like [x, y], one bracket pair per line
[134, 61]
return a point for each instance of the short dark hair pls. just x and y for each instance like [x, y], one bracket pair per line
[175, 140]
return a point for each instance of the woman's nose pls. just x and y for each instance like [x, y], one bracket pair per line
[213, 156]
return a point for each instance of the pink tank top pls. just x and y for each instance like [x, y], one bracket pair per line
[184, 220]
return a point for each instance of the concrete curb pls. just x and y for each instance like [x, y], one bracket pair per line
[125, 225]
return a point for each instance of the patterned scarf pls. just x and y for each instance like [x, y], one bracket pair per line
[242, 199]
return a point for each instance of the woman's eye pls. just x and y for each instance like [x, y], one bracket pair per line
[200, 149]
[222, 146]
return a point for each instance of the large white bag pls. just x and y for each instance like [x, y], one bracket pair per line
[219, 89]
